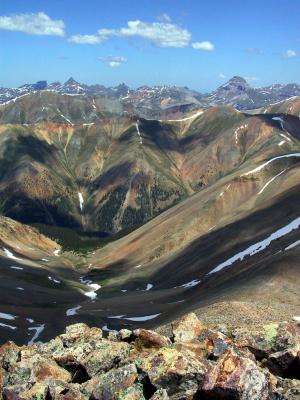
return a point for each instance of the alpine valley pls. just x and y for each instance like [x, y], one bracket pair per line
[117, 217]
[125, 209]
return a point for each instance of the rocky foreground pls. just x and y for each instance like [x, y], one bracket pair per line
[194, 363]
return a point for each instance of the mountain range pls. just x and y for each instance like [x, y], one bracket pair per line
[162, 101]
[120, 221]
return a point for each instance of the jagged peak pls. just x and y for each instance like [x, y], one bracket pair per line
[71, 81]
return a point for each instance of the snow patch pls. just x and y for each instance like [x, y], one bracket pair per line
[259, 246]
[8, 326]
[53, 279]
[270, 181]
[9, 254]
[80, 197]
[9, 317]
[138, 131]
[72, 311]
[262, 166]
[144, 318]
[183, 119]
[38, 330]
[190, 284]
[137, 319]
[291, 246]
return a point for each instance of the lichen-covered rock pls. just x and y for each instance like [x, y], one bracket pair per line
[38, 391]
[200, 364]
[235, 377]
[125, 334]
[285, 363]
[113, 384]
[134, 392]
[286, 389]
[187, 328]
[147, 338]
[216, 343]
[175, 371]
[160, 394]
[9, 353]
[80, 333]
[43, 369]
[107, 354]
[268, 339]
[62, 391]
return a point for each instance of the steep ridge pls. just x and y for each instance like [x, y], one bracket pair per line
[161, 101]
[117, 172]
[236, 172]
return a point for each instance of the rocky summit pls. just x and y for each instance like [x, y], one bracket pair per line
[194, 362]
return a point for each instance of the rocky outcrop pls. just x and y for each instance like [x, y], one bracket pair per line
[194, 363]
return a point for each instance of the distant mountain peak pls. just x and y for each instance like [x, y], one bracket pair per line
[70, 82]
[235, 84]
[238, 79]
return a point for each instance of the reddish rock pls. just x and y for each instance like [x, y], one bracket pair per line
[106, 356]
[187, 328]
[160, 394]
[112, 384]
[285, 363]
[176, 372]
[147, 338]
[235, 377]
[80, 333]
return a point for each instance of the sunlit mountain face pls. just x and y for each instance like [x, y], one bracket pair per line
[149, 163]
[119, 220]
[149, 200]
[157, 101]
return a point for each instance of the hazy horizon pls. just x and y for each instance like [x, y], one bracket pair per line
[189, 43]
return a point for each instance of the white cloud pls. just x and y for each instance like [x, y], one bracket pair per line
[206, 46]
[222, 76]
[161, 34]
[114, 62]
[290, 53]
[85, 39]
[33, 24]
[251, 78]
[164, 18]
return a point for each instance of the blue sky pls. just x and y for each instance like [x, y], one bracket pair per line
[192, 43]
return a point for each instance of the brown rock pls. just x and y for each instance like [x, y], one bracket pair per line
[187, 328]
[174, 371]
[195, 347]
[160, 394]
[125, 334]
[11, 394]
[268, 339]
[9, 353]
[44, 369]
[106, 356]
[147, 338]
[285, 363]
[80, 333]
[235, 377]
[216, 343]
[287, 389]
[111, 385]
